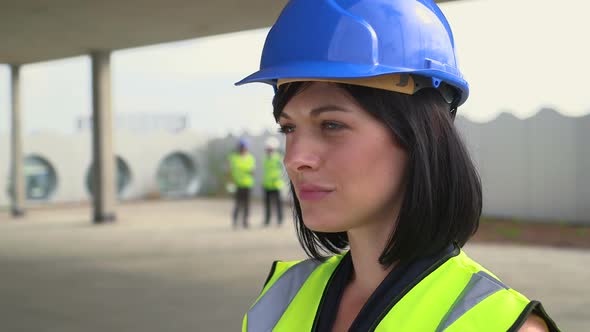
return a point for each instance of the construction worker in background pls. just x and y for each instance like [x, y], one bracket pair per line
[273, 180]
[384, 191]
[242, 165]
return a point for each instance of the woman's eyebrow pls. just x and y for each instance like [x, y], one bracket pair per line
[319, 110]
[327, 108]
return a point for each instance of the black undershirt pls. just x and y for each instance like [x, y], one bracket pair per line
[397, 283]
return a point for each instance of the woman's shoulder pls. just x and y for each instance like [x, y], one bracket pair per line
[533, 317]
[301, 268]
[534, 324]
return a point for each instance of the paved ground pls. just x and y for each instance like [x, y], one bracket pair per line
[177, 266]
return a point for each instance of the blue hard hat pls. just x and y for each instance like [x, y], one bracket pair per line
[243, 143]
[325, 39]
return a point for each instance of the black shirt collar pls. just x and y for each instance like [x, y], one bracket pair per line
[395, 285]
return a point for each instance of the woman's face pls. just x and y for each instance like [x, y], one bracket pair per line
[346, 166]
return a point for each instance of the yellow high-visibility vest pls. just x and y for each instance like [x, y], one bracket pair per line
[242, 166]
[458, 296]
[273, 172]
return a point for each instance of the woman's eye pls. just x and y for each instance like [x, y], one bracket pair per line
[331, 125]
[286, 129]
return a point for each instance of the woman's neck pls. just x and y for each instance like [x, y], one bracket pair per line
[366, 246]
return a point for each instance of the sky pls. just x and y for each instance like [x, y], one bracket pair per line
[518, 56]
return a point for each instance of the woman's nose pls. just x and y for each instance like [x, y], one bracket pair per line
[301, 154]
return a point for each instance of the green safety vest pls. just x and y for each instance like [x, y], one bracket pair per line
[241, 169]
[273, 172]
[458, 296]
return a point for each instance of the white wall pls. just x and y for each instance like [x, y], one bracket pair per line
[70, 155]
[536, 168]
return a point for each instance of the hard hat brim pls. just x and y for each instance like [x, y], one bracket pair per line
[327, 70]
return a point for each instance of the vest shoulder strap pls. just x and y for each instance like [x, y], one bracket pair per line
[460, 295]
[296, 283]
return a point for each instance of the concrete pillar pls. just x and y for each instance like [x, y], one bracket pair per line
[17, 175]
[102, 139]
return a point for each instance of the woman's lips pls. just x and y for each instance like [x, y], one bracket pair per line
[313, 192]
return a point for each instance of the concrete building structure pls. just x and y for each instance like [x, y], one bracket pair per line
[33, 31]
[533, 169]
[170, 165]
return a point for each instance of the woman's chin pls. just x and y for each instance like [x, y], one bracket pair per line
[323, 226]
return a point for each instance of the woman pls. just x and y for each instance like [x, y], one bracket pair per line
[366, 94]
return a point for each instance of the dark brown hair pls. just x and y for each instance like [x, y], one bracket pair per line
[442, 201]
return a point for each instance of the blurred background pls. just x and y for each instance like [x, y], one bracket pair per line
[145, 89]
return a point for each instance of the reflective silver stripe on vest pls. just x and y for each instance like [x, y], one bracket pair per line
[480, 286]
[265, 314]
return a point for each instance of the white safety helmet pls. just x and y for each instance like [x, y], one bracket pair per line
[272, 143]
